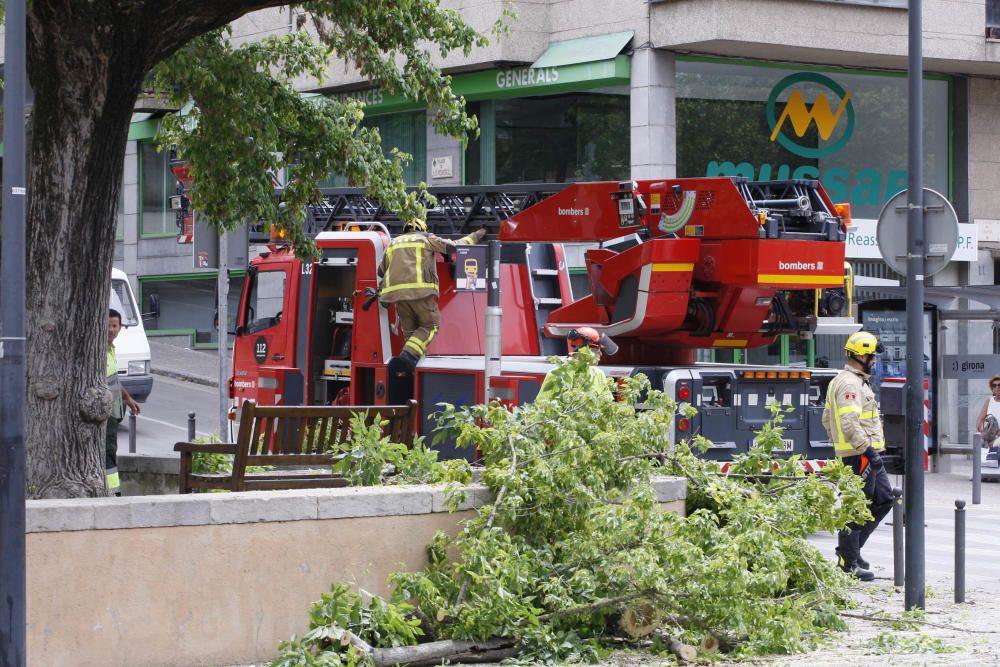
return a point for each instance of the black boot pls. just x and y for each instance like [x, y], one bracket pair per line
[863, 564]
[855, 569]
[409, 359]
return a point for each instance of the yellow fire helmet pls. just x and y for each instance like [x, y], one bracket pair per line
[861, 343]
[415, 225]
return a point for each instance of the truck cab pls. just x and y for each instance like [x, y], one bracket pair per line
[297, 340]
[131, 346]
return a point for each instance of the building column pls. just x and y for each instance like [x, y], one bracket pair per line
[130, 241]
[653, 114]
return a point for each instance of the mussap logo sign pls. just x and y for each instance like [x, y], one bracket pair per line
[797, 116]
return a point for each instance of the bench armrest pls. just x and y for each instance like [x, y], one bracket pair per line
[208, 447]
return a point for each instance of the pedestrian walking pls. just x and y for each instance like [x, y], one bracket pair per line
[852, 420]
[408, 278]
[988, 423]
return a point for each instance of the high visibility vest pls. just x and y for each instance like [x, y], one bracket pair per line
[851, 415]
[408, 270]
[595, 382]
[114, 385]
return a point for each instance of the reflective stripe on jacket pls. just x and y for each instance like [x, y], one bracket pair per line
[408, 270]
[114, 385]
[851, 416]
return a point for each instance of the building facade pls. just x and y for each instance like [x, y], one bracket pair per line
[590, 90]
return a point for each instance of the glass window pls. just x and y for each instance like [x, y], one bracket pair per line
[405, 131]
[188, 303]
[842, 127]
[130, 316]
[266, 300]
[158, 183]
[581, 136]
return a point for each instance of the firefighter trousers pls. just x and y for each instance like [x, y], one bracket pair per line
[420, 320]
[111, 456]
[879, 494]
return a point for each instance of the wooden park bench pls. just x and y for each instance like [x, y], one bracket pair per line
[298, 445]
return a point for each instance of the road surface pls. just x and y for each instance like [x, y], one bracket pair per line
[163, 418]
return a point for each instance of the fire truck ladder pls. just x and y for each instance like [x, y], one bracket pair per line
[459, 211]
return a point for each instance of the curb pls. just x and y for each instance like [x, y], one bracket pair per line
[186, 377]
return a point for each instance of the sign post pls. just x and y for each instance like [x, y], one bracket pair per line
[13, 594]
[913, 491]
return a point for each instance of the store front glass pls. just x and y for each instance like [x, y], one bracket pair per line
[406, 131]
[847, 129]
[581, 136]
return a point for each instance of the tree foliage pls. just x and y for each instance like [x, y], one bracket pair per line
[575, 536]
[240, 118]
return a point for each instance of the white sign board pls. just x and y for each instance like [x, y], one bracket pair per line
[441, 167]
[862, 241]
[970, 366]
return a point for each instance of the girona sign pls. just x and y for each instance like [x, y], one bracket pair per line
[828, 110]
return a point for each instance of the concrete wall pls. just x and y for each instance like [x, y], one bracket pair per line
[212, 579]
[828, 33]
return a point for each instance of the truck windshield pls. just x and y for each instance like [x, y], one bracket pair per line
[265, 301]
[130, 316]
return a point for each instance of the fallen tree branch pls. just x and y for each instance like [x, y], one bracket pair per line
[439, 651]
[915, 621]
[600, 604]
[684, 652]
[493, 515]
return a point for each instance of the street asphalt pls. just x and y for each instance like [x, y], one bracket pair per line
[199, 366]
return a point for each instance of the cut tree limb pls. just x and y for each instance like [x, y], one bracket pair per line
[684, 652]
[432, 653]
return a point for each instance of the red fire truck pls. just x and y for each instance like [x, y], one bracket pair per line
[672, 266]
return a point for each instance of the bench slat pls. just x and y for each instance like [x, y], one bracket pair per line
[289, 439]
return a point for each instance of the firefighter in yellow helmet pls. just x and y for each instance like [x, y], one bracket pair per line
[569, 375]
[852, 420]
[408, 278]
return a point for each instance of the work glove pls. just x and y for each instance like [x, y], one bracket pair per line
[874, 458]
[478, 235]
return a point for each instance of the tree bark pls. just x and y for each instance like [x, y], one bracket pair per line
[86, 65]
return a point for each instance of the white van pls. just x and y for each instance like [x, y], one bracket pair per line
[131, 346]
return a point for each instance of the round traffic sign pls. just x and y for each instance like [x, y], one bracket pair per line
[940, 232]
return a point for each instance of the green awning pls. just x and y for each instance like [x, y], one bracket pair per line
[584, 49]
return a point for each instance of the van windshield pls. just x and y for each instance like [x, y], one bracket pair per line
[121, 289]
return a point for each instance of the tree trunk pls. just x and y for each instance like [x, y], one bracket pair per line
[85, 79]
[86, 65]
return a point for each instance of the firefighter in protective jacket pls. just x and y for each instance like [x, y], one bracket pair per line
[408, 278]
[852, 420]
[595, 381]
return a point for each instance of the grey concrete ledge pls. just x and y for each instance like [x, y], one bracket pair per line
[45, 516]
[157, 465]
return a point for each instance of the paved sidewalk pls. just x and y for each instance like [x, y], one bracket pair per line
[201, 367]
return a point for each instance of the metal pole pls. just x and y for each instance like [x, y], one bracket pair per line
[13, 618]
[131, 433]
[898, 563]
[959, 551]
[977, 469]
[223, 310]
[493, 322]
[191, 427]
[914, 484]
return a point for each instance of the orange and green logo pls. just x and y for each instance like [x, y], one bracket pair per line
[798, 114]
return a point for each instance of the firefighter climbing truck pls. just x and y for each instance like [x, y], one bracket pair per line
[672, 266]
